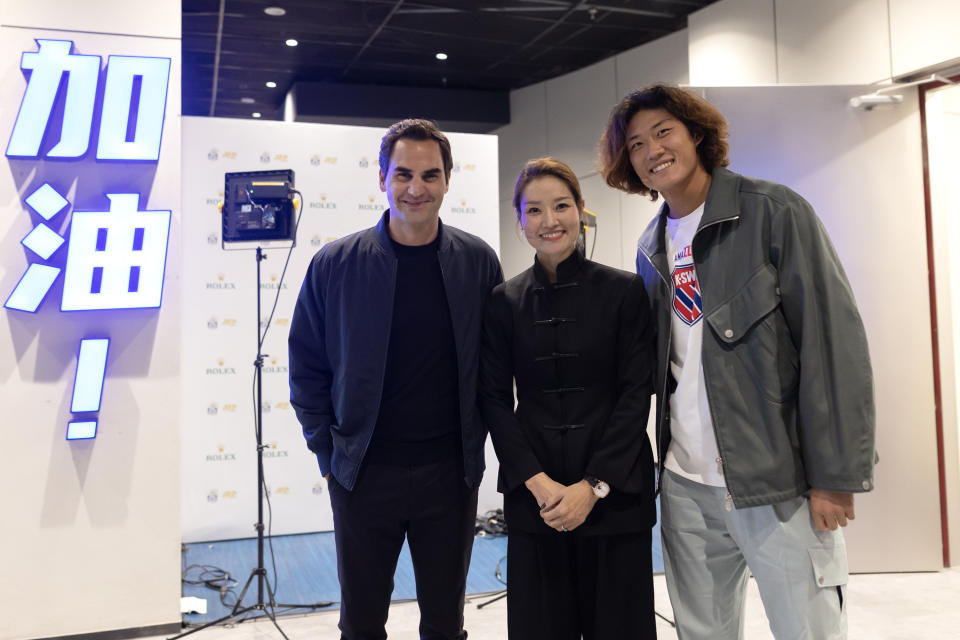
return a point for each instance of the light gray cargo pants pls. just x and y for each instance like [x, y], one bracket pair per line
[710, 547]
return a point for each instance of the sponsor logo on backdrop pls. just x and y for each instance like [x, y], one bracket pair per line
[265, 157]
[222, 455]
[213, 239]
[317, 489]
[317, 241]
[364, 163]
[463, 208]
[273, 450]
[213, 155]
[274, 366]
[280, 157]
[267, 406]
[215, 495]
[214, 323]
[315, 160]
[230, 408]
[371, 205]
[283, 404]
[280, 491]
[331, 160]
[214, 202]
[221, 369]
[273, 284]
[221, 283]
[212, 409]
[456, 167]
[323, 203]
[470, 167]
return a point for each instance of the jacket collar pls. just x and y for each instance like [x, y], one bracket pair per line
[722, 204]
[566, 270]
[383, 235]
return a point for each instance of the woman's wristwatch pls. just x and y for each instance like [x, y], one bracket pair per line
[600, 488]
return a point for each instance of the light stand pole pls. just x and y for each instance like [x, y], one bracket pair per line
[259, 572]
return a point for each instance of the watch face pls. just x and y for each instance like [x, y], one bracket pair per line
[601, 489]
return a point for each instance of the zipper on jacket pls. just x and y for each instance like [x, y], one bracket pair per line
[728, 501]
[661, 455]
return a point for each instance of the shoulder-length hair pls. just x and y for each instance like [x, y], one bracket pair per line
[701, 118]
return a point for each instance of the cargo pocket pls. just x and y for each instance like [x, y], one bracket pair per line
[830, 568]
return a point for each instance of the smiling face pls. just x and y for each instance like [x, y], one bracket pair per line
[664, 156]
[415, 184]
[550, 217]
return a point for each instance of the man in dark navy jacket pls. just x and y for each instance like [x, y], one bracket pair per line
[383, 375]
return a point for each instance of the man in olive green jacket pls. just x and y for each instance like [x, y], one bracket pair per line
[765, 414]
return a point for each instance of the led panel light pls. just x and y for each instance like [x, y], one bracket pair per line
[46, 201]
[32, 288]
[43, 241]
[82, 430]
[91, 366]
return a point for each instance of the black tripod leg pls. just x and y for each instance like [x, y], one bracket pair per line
[500, 596]
[232, 614]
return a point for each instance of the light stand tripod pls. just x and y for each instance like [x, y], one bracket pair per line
[259, 572]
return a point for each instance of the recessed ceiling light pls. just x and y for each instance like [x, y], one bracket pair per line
[292, 43]
[271, 85]
[247, 100]
[255, 114]
[275, 11]
[441, 56]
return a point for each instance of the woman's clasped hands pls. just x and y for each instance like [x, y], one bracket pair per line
[562, 507]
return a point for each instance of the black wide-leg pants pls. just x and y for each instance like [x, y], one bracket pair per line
[564, 587]
[433, 507]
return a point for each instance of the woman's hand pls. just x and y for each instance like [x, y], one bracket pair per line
[574, 505]
[545, 490]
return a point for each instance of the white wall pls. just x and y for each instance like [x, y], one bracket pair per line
[91, 533]
[943, 140]
[762, 42]
[923, 34]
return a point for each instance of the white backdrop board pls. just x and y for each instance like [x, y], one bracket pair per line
[337, 172]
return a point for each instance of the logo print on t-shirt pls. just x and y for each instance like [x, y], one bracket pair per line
[686, 296]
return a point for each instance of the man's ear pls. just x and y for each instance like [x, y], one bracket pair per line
[383, 182]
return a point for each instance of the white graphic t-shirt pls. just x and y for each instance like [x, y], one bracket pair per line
[693, 448]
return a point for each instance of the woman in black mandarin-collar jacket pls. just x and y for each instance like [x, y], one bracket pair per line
[576, 339]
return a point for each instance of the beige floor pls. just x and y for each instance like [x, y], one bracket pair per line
[899, 606]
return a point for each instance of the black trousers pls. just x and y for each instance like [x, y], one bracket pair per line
[564, 587]
[433, 507]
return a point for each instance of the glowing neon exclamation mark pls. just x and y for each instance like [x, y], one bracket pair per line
[88, 387]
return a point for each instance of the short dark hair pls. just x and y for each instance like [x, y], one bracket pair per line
[541, 167]
[700, 117]
[415, 129]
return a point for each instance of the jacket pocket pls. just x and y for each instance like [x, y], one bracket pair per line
[751, 327]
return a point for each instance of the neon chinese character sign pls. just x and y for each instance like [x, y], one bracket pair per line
[116, 258]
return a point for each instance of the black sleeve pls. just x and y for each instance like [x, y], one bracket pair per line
[310, 372]
[622, 455]
[517, 460]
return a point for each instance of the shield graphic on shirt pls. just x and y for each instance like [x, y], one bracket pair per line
[686, 294]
